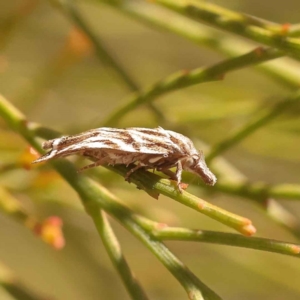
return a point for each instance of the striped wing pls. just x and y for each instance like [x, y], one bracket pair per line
[129, 140]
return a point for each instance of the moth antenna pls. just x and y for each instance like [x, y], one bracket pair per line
[201, 154]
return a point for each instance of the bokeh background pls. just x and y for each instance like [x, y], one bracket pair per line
[51, 72]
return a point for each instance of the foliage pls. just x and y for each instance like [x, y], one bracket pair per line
[71, 77]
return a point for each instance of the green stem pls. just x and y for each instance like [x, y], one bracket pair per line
[282, 72]
[251, 127]
[234, 22]
[260, 191]
[185, 79]
[114, 251]
[95, 196]
[150, 181]
[69, 9]
[230, 239]
[264, 195]
[17, 121]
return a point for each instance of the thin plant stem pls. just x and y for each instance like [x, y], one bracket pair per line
[284, 73]
[264, 195]
[260, 192]
[116, 255]
[186, 78]
[149, 181]
[69, 9]
[230, 239]
[252, 126]
[237, 23]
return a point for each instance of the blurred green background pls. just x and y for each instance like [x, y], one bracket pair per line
[51, 73]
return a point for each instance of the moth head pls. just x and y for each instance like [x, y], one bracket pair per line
[47, 145]
[53, 145]
[196, 164]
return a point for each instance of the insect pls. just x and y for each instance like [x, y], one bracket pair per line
[156, 148]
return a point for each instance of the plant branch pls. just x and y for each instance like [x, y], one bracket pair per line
[161, 18]
[185, 79]
[260, 191]
[230, 239]
[252, 126]
[236, 23]
[114, 251]
[150, 181]
[69, 9]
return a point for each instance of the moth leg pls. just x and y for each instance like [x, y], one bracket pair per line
[178, 174]
[169, 173]
[138, 166]
[175, 176]
[95, 164]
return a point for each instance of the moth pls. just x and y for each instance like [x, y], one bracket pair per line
[157, 149]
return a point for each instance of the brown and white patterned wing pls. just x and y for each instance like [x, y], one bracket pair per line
[129, 140]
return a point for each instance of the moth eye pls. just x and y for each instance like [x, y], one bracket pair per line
[52, 143]
[189, 161]
[47, 145]
[196, 158]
